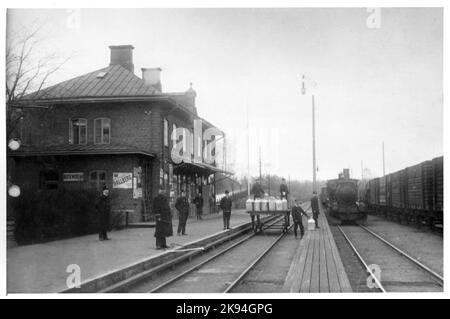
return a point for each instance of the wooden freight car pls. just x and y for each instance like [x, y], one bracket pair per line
[438, 190]
[414, 194]
[373, 193]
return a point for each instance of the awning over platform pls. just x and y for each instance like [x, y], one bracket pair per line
[199, 168]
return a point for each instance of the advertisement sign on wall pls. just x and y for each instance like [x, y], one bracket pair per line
[123, 180]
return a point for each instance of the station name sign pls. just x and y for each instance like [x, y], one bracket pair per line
[73, 177]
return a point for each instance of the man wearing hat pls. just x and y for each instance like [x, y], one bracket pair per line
[284, 191]
[103, 207]
[163, 217]
[225, 206]
[182, 205]
[315, 208]
[297, 213]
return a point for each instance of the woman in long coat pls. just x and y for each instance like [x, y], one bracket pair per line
[163, 218]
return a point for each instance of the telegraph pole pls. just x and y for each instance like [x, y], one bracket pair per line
[314, 144]
[384, 171]
[248, 157]
[313, 134]
[362, 170]
[260, 172]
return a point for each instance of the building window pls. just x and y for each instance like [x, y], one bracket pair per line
[186, 134]
[77, 131]
[166, 132]
[49, 179]
[174, 134]
[97, 179]
[102, 131]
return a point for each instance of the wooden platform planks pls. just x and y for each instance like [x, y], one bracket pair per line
[317, 266]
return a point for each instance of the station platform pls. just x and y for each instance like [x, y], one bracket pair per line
[317, 266]
[42, 268]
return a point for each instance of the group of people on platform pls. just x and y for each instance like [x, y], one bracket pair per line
[163, 215]
[297, 211]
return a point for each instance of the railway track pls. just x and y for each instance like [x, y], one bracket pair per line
[217, 265]
[391, 269]
[159, 278]
[253, 246]
[233, 261]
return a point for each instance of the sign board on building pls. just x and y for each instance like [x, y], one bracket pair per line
[73, 177]
[123, 180]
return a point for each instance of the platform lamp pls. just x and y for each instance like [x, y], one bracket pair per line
[13, 190]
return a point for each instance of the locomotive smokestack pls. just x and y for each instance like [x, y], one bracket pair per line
[346, 173]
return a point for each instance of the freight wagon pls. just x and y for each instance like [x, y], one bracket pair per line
[414, 194]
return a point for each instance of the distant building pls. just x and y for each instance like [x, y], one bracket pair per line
[110, 127]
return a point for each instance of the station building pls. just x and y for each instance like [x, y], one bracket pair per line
[111, 127]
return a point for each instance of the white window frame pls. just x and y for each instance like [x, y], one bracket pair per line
[71, 139]
[166, 132]
[174, 134]
[101, 130]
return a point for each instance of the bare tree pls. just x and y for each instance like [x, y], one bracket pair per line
[27, 71]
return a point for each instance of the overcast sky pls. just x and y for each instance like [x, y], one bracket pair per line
[373, 84]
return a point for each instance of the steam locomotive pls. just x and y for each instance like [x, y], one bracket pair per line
[342, 200]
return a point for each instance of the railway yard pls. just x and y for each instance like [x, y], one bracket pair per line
[390, 239]
[333, 258]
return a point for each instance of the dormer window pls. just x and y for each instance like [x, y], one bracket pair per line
[102, 131]
[77, 131]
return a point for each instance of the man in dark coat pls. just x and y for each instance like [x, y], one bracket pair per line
[315, 208]
[198, 201]
[182, 205]
[163, 218]
[284, 191]
[257, 190]
[225, 206]
[103, 207]
[297, 213]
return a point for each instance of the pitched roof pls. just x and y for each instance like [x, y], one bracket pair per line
[79, 149]
[112, 81]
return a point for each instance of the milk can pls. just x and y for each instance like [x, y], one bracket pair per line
[279, 204]
[272, 204]
[284, 205]
[249, 205]
[257, 205]
[264, 205]
[311, 224]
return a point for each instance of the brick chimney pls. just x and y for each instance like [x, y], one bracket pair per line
[122, 55]
[152, 77]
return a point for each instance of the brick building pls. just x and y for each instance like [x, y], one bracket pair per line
[111, 127]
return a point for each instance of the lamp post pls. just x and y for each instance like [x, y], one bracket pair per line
[313, 133]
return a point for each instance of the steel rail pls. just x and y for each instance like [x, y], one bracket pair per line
[195, 267]
[379, 285]
[250, 267]
[185, 255]
[440, 279]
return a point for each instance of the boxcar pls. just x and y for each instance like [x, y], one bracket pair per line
[414, 194]
[438, 189]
